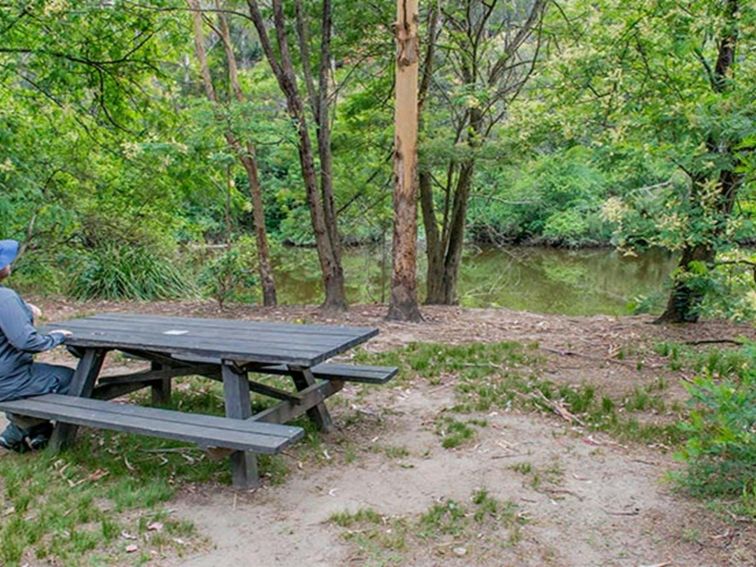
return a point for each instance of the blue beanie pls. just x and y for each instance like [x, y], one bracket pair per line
[8, 252]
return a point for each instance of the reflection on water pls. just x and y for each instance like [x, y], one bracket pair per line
[547, 280]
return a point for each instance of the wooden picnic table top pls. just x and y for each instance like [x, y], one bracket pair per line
[228, 339]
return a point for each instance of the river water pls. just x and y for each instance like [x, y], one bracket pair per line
[538, 279]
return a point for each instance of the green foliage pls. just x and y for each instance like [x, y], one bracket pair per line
[106, 136]
[229, 276]
[114, 271]
[555, 198]
[721, 449]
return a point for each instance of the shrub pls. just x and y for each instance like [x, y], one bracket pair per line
[115, 271]
[721, 449]
[230, 275]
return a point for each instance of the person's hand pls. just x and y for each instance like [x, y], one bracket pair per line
[64, 332]
[36, 311]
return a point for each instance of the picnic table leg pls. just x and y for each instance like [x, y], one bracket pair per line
[319, 414]
[82, 385]
[238, 405]
[161, 388]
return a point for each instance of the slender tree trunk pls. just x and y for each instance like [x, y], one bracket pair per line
[249, 162]
[433, 250]
[683, 305]
[446, 257]
[403, 303]
[433, 245]
[329, 254]
[245, 152]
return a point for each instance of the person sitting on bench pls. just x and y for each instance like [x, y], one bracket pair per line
[20, 376]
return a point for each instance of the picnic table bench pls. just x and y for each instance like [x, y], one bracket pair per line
[231, 351]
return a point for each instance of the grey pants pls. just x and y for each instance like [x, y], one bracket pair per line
[41, 379]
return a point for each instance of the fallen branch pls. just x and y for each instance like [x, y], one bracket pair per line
[563, 491]
[634, 512]
[557, 407]
[484, 365]
[715, 341]
[597, 358]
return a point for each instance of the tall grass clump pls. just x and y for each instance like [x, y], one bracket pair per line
[120, 271]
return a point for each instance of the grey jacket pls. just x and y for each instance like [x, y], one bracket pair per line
[19, 340]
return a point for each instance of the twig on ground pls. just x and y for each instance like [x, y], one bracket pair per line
[650, 463]
[633, 512]
[714, 341]
[563, 491]
[624, 363]
[557, 407]
[484, 365]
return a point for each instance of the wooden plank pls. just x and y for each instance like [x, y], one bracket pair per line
[132, 410]
[113, 391]
[82, 384]
[152, 375]
[237, 352]
[208, 366]
[272, 392]
[345, 372]
[160, 391]
[197, 341]
[225, 324]
[244, 472]
[248, 339]
[286, 411]
[155, 426]
[318, 413]
[242, 333]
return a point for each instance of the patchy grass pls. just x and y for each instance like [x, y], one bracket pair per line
[503, 376]
[455, 433]
[76, 507]
[91, 502]
[473, 530]
[712, 361]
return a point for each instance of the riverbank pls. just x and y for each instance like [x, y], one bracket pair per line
[418, 473]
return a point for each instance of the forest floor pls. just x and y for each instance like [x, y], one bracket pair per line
[407, 478]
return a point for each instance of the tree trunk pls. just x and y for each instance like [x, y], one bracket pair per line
[258, 214]
[684, 300]
[433, 245]
[328, 253]
[433, 251]
[683, 305]
[403, 303]
[445, 260]
[246, 155]
[249, 162]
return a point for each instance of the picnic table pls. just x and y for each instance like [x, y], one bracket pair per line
[232, 351]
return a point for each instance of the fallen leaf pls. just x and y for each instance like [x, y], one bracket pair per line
[132, 548]
[155, 526]
[127, 535]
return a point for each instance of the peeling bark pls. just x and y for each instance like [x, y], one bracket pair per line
[403, 303]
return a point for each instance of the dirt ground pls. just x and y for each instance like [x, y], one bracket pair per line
[611, 504]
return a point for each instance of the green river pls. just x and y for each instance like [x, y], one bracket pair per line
[538, 279]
